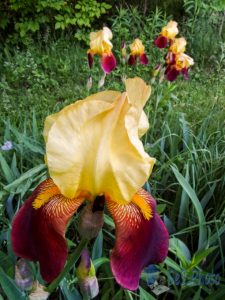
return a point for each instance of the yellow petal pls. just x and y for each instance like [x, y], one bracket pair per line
[138, 92]
[143, 125]
[183, 61]
[178, 45]
[93, 145]
[137, 48]
[100, 41]
[108, 96]
[170, 30]
[49, 121]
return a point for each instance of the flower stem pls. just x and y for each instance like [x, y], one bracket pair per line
[73, 258]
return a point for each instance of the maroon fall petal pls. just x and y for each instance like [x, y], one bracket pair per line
[139, 242]
[132, 60]
[185, 73]
[39, 234]
[143, 59]
[90, 60]
[171, 73]
[170, 58]
[161, 42]
[108, 62]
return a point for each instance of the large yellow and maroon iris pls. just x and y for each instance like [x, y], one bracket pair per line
[100, 44]
[93, 148]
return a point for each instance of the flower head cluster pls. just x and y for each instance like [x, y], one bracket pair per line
[176, 60]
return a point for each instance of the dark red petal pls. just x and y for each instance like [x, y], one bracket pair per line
[132, 60]
[139, 242]
[108, 62]
[161, 42]
[39, 234]
[185, 73]
[171, 73]
[90, 60]
[143, 59]
[170, 58]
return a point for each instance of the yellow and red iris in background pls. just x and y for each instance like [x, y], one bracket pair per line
[93, 149]
[100, 45]
[137, 49]
[177, 61]
[167, 35]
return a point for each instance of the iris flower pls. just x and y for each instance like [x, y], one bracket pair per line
[181, 64]
[167, 35]
[177, 61]
[137, 50]
[93, 149]
[100, 45]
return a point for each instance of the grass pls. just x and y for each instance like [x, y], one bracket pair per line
[186, 136]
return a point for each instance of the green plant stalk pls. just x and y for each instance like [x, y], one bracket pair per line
[73, 258]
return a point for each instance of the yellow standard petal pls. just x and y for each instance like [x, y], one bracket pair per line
[170, 30]
[93, 144]
[178, 45]
[100, 41]
[183, 61]
[143, 125]
[137, 48]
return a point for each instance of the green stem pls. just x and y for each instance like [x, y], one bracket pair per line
[73, 258]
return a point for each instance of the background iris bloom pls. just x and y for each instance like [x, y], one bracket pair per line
[177, 61]
[167, 35]
[100, 45]
[137, 49]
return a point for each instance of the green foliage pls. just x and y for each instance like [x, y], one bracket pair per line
[28, 17]
[210, 17]
[9, 287]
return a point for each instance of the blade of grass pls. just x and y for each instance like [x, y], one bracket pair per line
[198, 208]
[28, 174]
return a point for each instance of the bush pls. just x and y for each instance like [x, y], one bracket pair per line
[20, 18]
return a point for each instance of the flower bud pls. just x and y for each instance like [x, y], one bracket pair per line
[161, 75]
[89, 287]
[102, 81]
[91, 219]
[123, 52]
[23, 275]
[89, 83]
[156, 70]
[8, 145]
[124, 78]
[38, 292]
[87, 280]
